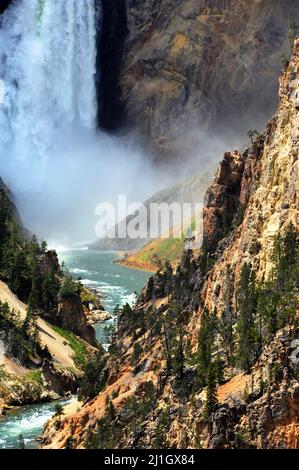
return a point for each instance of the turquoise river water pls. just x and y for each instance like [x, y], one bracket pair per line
[95, 269]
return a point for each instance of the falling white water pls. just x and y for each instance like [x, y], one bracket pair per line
[52, 156]
[48, 60]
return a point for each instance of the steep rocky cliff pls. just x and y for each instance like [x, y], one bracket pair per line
[197, 67]
[161, 389]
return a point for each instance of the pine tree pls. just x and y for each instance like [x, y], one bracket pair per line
[178, 342]
[162, 430]
[18, 275]
[205, 347]
[252, 134]
[219, 369]
[150, 289]
[246, 328]
[93, 380]
[293, 31]
[71, 443]
[49, 293]
[34, 302]
[278, 296]
[211, 398]
[227, 320]
[173, 337]
[137, 352]
[109, 410]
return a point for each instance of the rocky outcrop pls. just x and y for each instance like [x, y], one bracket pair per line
[266, 196]
[95, 316]
[71, 316]
[193, 69]
[57, 380]
[50, 264]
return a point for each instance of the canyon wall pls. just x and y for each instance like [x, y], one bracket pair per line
[4, 4]
[252, 199]
[175, 71]
[196, 67]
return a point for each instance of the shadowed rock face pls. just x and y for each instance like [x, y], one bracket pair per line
[4, 4]
[195, 67]
[111, 37]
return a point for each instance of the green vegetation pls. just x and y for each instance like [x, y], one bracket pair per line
[81, 355]
[109, 333]
[246, 326]
[21, 263]
[265, 307]
[137, 353]
[92, 381]
[250, 316]
[162, 430]
[211, 401]
[69, 287]
[20, 338]
[206, 338]
[16, 389]
[88, 297]
[159, 251]
[252, 134]
[110, 429]
[293, 31]
[35, 376]
[234, 338]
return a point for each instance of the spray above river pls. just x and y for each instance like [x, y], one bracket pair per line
[53, 157]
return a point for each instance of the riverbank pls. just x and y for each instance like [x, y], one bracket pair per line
[154, 253]
[52, 373]
[114, 285]
[132, 262]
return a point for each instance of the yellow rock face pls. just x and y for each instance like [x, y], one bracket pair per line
[271, 191]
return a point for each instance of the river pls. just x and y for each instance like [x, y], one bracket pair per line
[96, 269]
[119, 284]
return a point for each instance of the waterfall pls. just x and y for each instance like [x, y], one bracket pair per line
[52, 156]
[47, 77]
